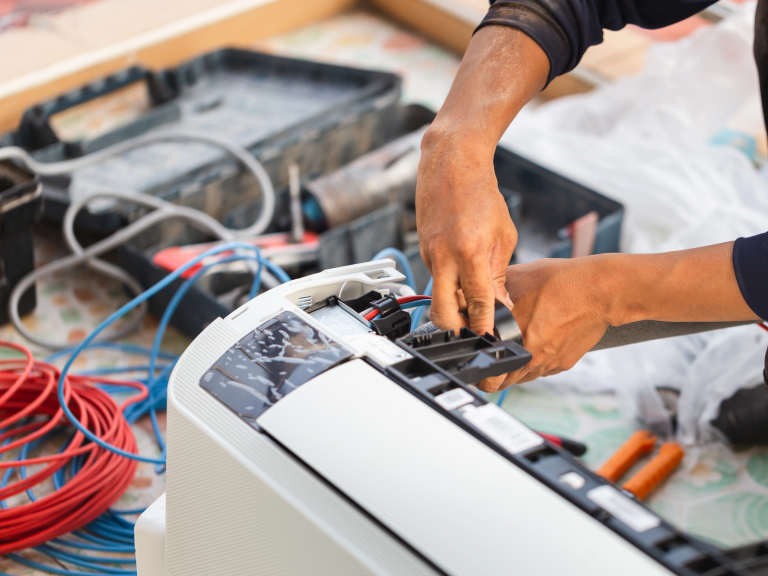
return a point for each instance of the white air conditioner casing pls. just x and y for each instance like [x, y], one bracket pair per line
[352, 474]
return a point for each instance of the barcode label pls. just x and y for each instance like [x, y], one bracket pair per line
[454, 398]
[623, 508]
[503, 428]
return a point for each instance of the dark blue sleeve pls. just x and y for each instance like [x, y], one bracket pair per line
[750, 263]
[566, 28]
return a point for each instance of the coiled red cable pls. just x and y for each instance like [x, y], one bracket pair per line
[28, 392]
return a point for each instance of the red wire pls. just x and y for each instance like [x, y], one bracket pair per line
[402, 300]
[763, 326]
[28, 390]
[556, 440]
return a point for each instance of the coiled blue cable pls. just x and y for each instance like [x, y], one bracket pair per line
[229, 246]
[109, 532]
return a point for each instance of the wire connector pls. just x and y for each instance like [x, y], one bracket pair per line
[386, 306]
[394, 325]
[393, 321]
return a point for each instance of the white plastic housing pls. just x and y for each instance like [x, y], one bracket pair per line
[363, 479]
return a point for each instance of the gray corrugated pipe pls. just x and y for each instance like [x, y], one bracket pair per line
[635, 331]
[655, 330]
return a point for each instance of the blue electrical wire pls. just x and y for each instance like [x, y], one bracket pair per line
[130, 348]
[406, 305]
[401, 259]
[229, 246]
[55, 570]
[109, 532]
[502, 397]
[126, 536]
[416, 316]
[165, 320]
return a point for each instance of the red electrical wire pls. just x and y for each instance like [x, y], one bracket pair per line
[28, 390]
[763, 326]
[402, 300]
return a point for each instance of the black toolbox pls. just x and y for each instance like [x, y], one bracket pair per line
[540, 201]
[283, 110]
[357, 241]
[19, 208]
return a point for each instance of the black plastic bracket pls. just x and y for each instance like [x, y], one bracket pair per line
[363, 302]
[468, 357]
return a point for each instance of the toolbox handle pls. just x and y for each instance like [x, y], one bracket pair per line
[35, 131]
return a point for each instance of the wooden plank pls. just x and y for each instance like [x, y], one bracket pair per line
[449, 23]
[452, 22]
[231, 24]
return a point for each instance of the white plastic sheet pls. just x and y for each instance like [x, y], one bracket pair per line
[645, 141]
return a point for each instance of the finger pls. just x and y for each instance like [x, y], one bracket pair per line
[499, 265]
[531, 376]
[462, 300]
[553, 372]
[518, 375]
[444, 311]
[506, 384]
[491, 384]
[475, 280]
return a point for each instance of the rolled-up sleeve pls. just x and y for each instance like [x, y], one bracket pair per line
[566, 28]
[750, 263]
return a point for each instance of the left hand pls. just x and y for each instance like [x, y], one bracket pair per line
[564, 307]
[560, 308]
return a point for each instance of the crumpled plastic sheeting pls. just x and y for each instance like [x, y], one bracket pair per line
[645, 141]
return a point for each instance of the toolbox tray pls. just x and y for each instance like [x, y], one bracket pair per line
[536, 196]
[283, 110]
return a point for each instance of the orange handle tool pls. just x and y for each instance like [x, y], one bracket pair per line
[641, 442]
[649, 476]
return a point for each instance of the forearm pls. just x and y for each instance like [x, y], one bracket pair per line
[501, 71]
[466, 236]
[697, 285]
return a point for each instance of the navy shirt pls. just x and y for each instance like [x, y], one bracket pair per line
[566, 28]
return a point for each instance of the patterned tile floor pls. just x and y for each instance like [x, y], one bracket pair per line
[718, 494]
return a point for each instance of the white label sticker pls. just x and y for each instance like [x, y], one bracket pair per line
[623, 508]
[502, 427]
[378, 348]
[341, 322]
[454, 398]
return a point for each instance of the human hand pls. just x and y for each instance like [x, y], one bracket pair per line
[562, 311]
[564, 307]
[465, 233]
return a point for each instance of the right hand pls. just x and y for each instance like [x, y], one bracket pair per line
[466, 235]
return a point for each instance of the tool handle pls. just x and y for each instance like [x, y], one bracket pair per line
[669, 456]
[641, 442]
[572, 446]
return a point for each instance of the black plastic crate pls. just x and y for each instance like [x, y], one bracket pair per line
[19, 208]
[283, 110]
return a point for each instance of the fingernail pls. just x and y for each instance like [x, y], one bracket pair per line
[509, 302]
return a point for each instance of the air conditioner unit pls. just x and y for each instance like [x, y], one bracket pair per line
[302, 442]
